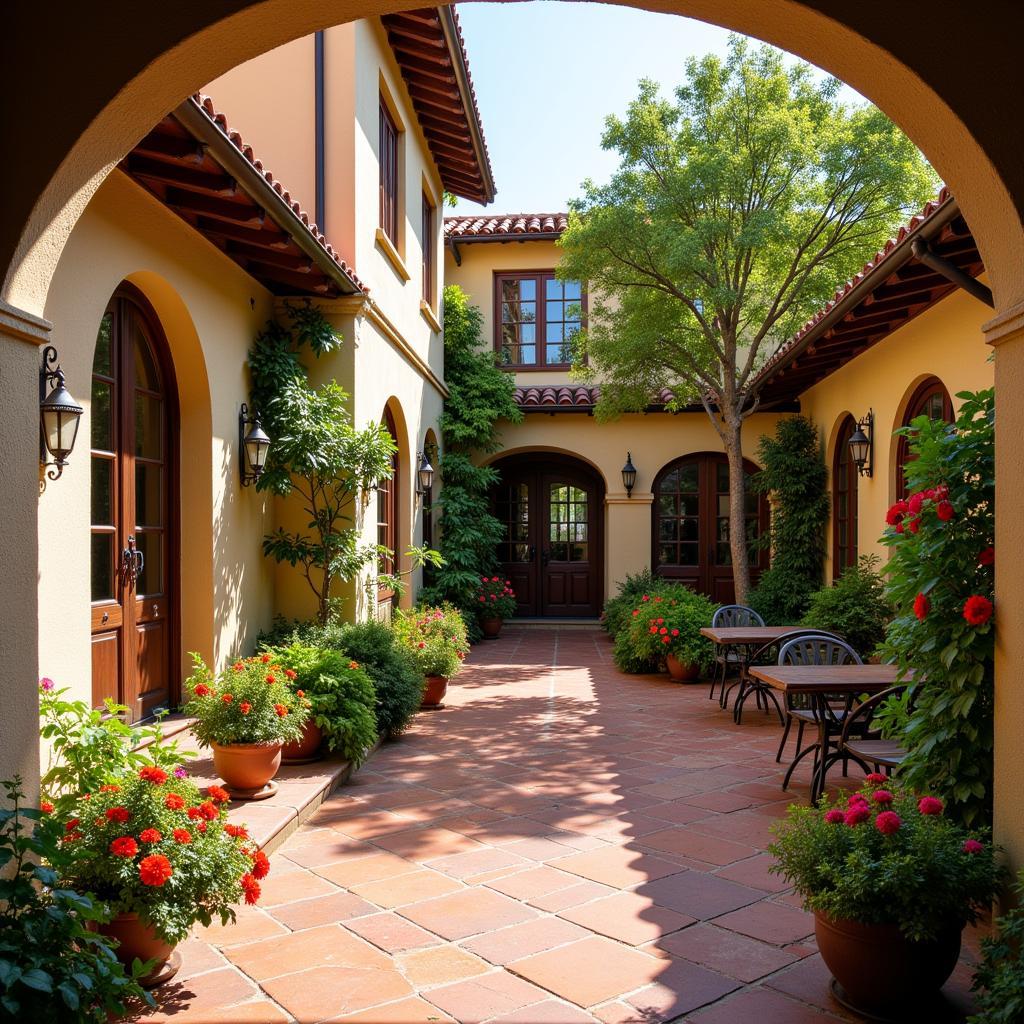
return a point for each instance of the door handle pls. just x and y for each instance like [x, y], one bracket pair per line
[131, 564]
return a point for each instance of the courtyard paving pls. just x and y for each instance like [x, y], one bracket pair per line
[560, 844]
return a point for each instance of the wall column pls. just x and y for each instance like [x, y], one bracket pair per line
[20, 337]
[627, 536]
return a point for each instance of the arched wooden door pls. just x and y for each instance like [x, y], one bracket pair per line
[845, 501]
[553, 510]
[134, 511]
[690, 527]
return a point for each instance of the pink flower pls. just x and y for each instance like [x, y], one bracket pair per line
[856, 800]
[835, 816]
[888, 823]
[972, 846]
[929, 805]
[46, 684]
[856, 814]
[876, 779]
[882, 796]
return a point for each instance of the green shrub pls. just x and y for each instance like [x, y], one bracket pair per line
[999, 980]
[436, 638]
[626, 658]
[855, 607]
[617, 609]
[53, 968]
[340, 694]
[682, 611]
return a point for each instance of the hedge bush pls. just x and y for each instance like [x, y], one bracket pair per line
[617, 609]
[855, 607]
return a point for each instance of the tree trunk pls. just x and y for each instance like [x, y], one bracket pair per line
[737, 509]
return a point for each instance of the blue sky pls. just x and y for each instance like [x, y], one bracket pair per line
[546, 75]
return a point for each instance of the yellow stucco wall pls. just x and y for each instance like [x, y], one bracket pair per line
[209, 310]
[945, 341]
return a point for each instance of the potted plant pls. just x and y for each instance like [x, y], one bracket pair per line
[340, 698]
[163, 857]
[892, 881]
[246, 715]
[666, 626]
[495, 601]
[436, 638]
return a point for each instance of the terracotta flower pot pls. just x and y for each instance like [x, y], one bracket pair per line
[247, 768]
[433, 695]
[679, 672]
[305, 749]
[491, 627]
[881, 971]
[137, 938]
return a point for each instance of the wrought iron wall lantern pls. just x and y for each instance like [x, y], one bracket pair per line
[862, 444]
[424, 474]
[629, 475]
[59, 415]
[254, 446]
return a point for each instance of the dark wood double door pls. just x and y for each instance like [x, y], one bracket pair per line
[553, 511]
[133, 511]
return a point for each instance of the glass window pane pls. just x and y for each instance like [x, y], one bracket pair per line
[666, 554]
[559, 552]
[148, 424]
[670, 482]
[103, 360]
[688, 554]
[552, 332]
[553, 310]
[527, 355]
[688, 477]
[578, 553]
[689, 529]
[101, 416]
[146, 375]
[688, 504]
[552, 288]
[102, 569]
[723, 554]
[527, 333]
[723, 504]
[573, 290]
[148, 507]
[668, 529]
[102, 491]
[667, 505]
[528, 288]
[722, 476]
[150, 580]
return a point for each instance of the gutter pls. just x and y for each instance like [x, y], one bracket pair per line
[519, 236]
[951, 272]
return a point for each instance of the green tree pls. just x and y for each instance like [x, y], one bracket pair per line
[734, 212]
[479, 396]
[315, 452]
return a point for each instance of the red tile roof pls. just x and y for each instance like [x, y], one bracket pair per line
[506, 226]
[570, 397]
[431, 54]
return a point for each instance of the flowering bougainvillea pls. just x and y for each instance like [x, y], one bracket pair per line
[494, 598]
[941, 580]
[887, 856]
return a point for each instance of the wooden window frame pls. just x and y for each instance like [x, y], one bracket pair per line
[540, 277]
[388, 503]
[428, 228]
[844, 471]
[925, 390]
[388, 160]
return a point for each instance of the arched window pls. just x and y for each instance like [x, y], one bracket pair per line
[844, 501]
[691, 525]
[930, 399]
[387, 512]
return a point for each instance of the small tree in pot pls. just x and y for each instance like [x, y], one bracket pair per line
[495, 601]
[436, 638]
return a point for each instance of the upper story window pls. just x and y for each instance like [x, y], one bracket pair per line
[429, 245]
[388, 173]
[536, 317]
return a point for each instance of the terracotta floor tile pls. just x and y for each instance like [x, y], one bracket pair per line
[721, 800]
[617, 866]
[698, 894]
[405, 1011]
[468, 912]
[339, 906]
[441, 965]
[476, 862]
[551, 1011]
[694, 844]
[680, 812]
[590, 971]
[628, 917]
[770, 922]
[391, 933]
[412, 887]
[559, 899]
[329, 847]
[522, 940]
[760, 1006]
[250, 924]
[526, 885]
[256, 1011]
[323, 992]
[295, 885]
[680, 988]
[367, 869]
[541, 848]
[726, 952]
[485, 997]
[427, 843]
[754, 871]
[203, 996]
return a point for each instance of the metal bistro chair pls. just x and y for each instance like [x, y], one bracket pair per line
[730, 615]
[816, 649]
[769, 655]
[864, 742]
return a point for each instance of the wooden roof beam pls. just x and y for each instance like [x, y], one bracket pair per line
[247, 214]
[189, 178]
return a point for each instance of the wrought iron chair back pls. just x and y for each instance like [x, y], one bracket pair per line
[819, 649]
[736, 615]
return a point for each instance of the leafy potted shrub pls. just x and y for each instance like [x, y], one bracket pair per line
[340, 698]
[497, 602]
[855, 607]
[999, 980]
[615, 616]
[436, 638]
[245, 715]
[163, 857]
[892, 881]
[54, 965]
[666, 626]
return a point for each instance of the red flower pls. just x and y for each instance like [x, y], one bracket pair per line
[280, 710]
[914, 525]
[835, 816]
[888, 823]
[663, 631]
[922, 606]
[915, 503]
[202, 690]
[289, 673]
[666, 640]
[265, 659]
[173, 802]
[645, 598]
[896, 513]
[245, 707]
[882, 796]
[208, 810]
[71, 825]
[353, 665]
[972, 846]
[876, 779]
[218, 793]
[182, 836]
[46, 807]
[987, 557]
[856, 814]
[260, 865]
[239, 666]
[944, 510]
[300, 694]
[251, 888]
[201, 827]
[856, 800]
[150, 835]
[236, 831]
[660, 622]
[119, 814]
[153, 774]
[271, 680]
[124, 846]
[653, 629]
[977, 610]
[675, 632]
[929, 805]
[154, 870]
[110, 788]
[227, 698]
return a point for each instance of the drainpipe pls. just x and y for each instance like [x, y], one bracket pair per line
[318, 101]
[931, 259]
